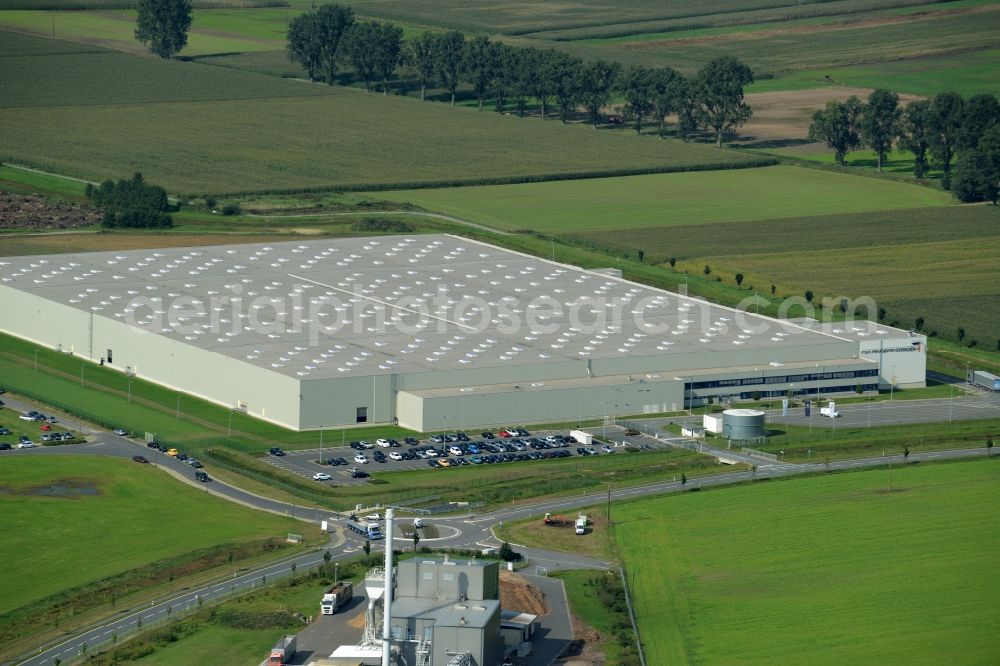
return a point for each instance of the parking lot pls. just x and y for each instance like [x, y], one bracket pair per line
[344, 463]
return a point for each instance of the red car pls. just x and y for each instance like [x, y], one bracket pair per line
[505, 434]
[46, 426]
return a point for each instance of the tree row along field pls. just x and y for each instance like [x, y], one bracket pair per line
[338, 136]
[763, 573]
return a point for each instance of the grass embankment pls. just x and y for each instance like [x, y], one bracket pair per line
[237, 632]
[84, 533]
[491, 485]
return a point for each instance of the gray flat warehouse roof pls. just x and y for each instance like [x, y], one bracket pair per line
[314, 309]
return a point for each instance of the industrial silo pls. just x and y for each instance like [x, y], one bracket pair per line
[742, 424]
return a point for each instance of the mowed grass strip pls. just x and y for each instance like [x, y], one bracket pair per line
[135, 514]
[827, 570]
[667, 200]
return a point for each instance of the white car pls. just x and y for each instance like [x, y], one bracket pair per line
[121, 432]
[395, 455]
[455, 450]
[373, 517]
[384, 443]
[361, 459]
[26, 417]
[26, 445]
[321, 476]
[607, 449]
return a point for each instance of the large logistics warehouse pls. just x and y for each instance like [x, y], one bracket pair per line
[430, 332]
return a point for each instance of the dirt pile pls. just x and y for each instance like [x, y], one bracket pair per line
[517, 594]
[32, 211]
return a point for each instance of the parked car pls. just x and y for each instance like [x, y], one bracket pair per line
[379, 457]
[410, 441]
[5, 431]
[139, 459]
[486, 434]
[631, 432]
[26, 444]
[195, 463]
[4, 446]
[121, 432]
[321, 476]
[172, 453]
[374, 517]
[26, 417]
[202, 476]
[395, 455]
[153, 445]
[384, 443]
[44, 427]
[361, 459]
[276, 451]
[182, 456]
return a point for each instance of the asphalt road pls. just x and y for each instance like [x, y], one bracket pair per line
[466, 531]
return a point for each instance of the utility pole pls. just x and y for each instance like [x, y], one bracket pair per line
[609, 504]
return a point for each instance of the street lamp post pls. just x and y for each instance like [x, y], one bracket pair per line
[605, 404]
[178, 407]
[130, 391]
[892, 386]
[81, 374]
[36, 359]
[869, 411]
[951, 400]
[321, 444]
[229, 425]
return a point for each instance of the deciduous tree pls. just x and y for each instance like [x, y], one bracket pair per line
[945, 124]
[596, 83]
[720, 86]
[387, 49]
[450, 48]
[420, 55]
[360, 47]
[879, 123]
[667, 88]
[837, 126]
[332, 22]
[476, 67]
[914, 131]
[979, 113]
[977, 174]
[162, 25]
[305, 45]
[636, 86]
[566, 77]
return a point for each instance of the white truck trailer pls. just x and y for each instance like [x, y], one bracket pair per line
[581, 524]
[986, 380]
[282, 652]
[335, 597]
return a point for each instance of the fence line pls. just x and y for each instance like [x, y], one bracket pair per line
[190, 608]
[760, 454]
[631, 615]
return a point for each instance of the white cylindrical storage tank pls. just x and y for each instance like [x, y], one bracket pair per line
[742, 424]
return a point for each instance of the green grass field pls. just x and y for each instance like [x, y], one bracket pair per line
[826, 570]
[900, 258]
[212, 31]
[294, 135]
[136, 515]
[668, 200]
[817, 43]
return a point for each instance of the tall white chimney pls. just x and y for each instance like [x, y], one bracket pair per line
[387, 597]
